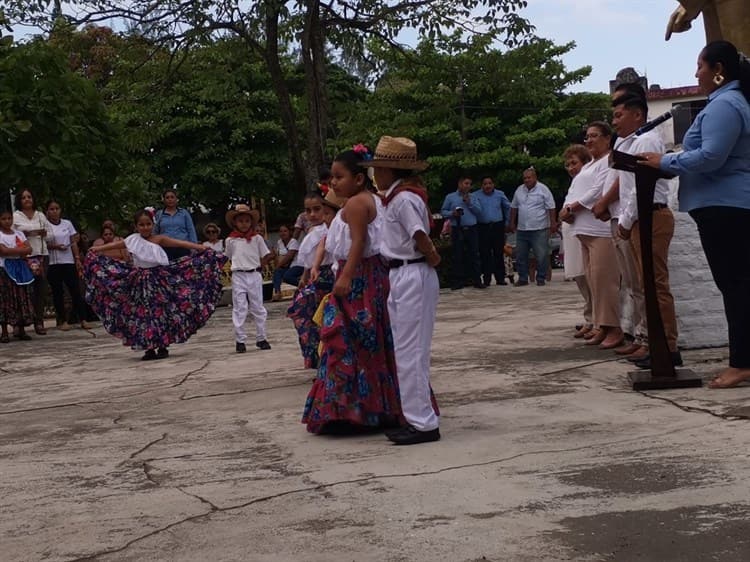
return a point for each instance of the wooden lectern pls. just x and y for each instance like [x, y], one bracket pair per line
[663, 374]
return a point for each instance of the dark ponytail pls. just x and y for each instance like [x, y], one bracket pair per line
[736, 66]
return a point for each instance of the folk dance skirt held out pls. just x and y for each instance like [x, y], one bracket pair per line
[154, 307]
[356, 381]
[301, 311]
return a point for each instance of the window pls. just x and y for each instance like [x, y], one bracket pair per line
[685, 116]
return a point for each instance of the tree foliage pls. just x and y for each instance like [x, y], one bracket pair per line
[55, 135]
[358, 29]
[478, 110]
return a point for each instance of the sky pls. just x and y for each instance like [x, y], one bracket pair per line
[613, 34]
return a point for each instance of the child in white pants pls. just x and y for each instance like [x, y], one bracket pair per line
[412, 301]
[249, 253]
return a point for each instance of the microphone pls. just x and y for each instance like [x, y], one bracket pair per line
[658, 121]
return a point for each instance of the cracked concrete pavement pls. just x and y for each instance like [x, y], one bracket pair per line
[546, 453]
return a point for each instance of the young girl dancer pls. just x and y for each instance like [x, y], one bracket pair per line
[152, 303]
[356, 384]
[16, 305]
[320, 212]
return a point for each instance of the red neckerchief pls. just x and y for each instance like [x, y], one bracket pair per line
[417, 189]
[246, 235]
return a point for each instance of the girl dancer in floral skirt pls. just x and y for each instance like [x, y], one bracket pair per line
[356, 385]
[152, 303]
[317, 280]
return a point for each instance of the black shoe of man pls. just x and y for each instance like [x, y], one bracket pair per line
[502, 282]
[263, 344]
[240, 347]
[409, 435]
[645, 363]
[162, 353]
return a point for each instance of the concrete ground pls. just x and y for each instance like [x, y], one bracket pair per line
[546, 452]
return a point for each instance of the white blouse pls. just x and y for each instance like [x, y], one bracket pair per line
[307, 249]
[339, 239]
[61, 233]
[9, 241]
[37, 222]
[145, 254]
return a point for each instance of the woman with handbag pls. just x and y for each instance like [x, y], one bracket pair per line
[36, 228]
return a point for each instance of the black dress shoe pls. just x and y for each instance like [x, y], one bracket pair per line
[263, 344]
[150, 355]
[240, 347]
[502, 282]
[645, 363]
[409, 435]
[162, 353]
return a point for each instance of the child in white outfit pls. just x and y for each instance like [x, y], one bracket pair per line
[249, 253]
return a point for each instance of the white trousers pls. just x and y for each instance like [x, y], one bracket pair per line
[632, 300]
[412, 305]
[247, 294]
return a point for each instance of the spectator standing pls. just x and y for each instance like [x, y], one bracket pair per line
[36, 228]
[491, 230]
[462, 208]
[174, 222]
[575, 157]
[533, 218]
[64, 267]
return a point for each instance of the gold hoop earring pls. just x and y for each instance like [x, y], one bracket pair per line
[718, 79]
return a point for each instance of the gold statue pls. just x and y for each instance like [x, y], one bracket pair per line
[723, 19]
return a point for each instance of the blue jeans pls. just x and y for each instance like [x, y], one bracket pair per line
[538, 240]
[289, 275]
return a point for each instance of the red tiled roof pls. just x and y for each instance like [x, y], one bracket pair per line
[681, 92]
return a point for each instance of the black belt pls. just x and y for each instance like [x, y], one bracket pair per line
[490, 223]
[393, 264]
[256, 270]
[659, 206]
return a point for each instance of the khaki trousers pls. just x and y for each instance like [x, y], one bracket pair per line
[603, 277]
[588, 305]
[663, 229]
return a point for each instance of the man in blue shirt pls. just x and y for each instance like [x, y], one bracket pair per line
[491, 229]
[462, 208]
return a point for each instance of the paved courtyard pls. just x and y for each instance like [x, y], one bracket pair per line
[546, 453]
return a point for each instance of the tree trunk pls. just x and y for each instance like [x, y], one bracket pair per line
[270, 54]
[313, 57]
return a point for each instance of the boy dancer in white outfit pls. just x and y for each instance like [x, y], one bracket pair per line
[249, 253]
[413, 297]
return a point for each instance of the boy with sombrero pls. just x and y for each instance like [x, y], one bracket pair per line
[249, 253]
[413, 297]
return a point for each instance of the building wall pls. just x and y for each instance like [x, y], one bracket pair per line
[698, 303]
[666, 129]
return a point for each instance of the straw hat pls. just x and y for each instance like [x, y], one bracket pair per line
[241, 209]
[395, 152]
[333, 200]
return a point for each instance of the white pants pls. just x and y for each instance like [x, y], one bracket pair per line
[247, 293]
[632, 300]
[412, 305]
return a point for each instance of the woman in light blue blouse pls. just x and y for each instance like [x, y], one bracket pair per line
[714, 172]
[175, 222]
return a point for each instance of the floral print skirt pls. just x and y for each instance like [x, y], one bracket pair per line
[16, 306]
[356, 381]
[301, 311]
[154, 307]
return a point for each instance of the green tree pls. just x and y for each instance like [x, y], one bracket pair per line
[478, 110]
[55, 135]
[357, 29]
